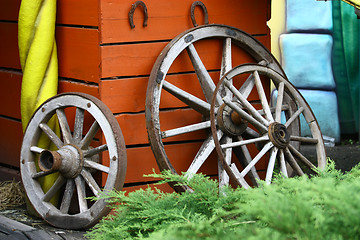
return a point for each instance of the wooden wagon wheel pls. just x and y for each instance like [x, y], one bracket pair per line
[258, 125]
[75, 160]
[159, 80]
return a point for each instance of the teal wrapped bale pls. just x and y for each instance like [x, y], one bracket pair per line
[308, 15]
[307, 60]
[325, 108]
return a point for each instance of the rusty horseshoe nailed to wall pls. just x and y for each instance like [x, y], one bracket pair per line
[132, 10]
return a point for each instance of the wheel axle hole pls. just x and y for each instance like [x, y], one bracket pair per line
[282, 133]
[49, 161]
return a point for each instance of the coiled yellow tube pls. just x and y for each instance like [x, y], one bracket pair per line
[38, 58]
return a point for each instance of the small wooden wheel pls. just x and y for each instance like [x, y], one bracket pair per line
[76, 159]
[255, 132]
[175, 131]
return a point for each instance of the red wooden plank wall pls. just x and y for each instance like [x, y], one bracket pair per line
[101, 55]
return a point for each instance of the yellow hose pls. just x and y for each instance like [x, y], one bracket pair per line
[354, 3]
[38, 58]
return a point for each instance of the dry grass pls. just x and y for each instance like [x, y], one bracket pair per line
[11, 194]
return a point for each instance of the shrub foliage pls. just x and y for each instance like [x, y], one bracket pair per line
[326, 206]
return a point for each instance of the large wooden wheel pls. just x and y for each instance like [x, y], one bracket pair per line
[255, 131]
[76, 160]
[169, 126]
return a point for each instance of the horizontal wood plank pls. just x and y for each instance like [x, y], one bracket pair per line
[10, 141]
[71, 86]
[10, 90]
[169, 18]
[7, 174]
[9, 45]
[138, 59]
[9, 10]
[79, 12]
[78, 51]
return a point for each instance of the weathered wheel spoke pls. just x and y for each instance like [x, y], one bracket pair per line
[271, 165]
[41, 174]
[36, 149]
[223, 176]
[226, 60]
[50, 133]
[206, 82]
[78, 125]
[85, 142]
[247, 86]
[254, 176]
[93, 151]
[304, 139]
[226, 65]
[263, 151]
[97, 166]
[194, 102]
[262, 96]
[205, 150]
[186, 129]
[239, 176]
[250, 133]
[64, 125]
[245, 142]
[68, 193]
[302, 158]
[91, 182]
[245, 115]
[255, 113]
[80, 188]
[294, 116]
[283, 169]
[60, 181]
[279, 102]
[291, 160]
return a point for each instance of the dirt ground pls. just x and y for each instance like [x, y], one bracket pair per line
[345, 156]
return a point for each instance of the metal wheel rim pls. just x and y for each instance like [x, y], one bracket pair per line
[116, 170]
[277, 151]
[156, 81]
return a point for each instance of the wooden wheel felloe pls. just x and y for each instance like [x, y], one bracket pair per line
[271, 131]
[177, 112]
[77, 159]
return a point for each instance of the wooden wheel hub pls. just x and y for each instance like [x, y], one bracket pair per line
[68, 160]
[279, 135]
[230, 121]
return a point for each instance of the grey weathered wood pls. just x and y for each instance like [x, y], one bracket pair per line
[262, 96]
[271, 165]
[64, 125]
[78, 125]
[195, 103]
[279, 102]
[85, 142]
[50, 133]
[205, 150]
[246, 116]
[16, 230]
[185, 129]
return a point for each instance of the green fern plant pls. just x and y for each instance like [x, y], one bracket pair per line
[321, 207]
